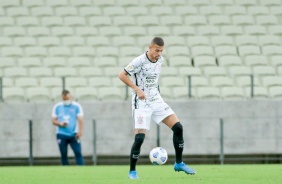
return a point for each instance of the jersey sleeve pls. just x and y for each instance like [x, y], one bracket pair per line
[134, 66]
[54, 111]
[79, 110]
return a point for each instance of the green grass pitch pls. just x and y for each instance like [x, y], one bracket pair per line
[206, 174]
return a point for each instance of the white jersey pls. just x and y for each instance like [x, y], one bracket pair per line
[145, 74]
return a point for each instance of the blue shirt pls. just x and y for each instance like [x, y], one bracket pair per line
[69, 115]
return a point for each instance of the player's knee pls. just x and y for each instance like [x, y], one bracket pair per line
[177, 128]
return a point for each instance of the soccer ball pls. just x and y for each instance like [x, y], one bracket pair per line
[158, 156]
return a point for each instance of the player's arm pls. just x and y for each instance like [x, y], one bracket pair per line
[80, 125]
[57, 123]
[124, 78]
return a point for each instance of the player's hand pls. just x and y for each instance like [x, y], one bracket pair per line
[141, 95]
[63, 124]
[78, 135]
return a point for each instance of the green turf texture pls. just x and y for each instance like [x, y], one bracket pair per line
[206, 174]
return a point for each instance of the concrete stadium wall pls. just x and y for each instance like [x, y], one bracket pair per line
[250, 127]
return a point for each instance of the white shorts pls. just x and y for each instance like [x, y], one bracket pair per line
[155, 111]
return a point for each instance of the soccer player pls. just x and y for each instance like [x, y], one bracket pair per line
[148, 104]
[67, 115]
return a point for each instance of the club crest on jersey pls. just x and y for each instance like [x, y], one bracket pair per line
[140, 119]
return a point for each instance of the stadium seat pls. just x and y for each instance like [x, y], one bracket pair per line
[86, 94]
[269, 81]
[24, 82]
[266, 20]
[59, 51]
[225, 50]
[275, 30]
[33, 3]
[231, 30]
[151, 3]
[37, 31]
[42, 11]
[36, 51]
[221, 40]
[62, 31]
[268, 40]
[124, 21]
[172, 81]
[6, 21]
[203, 61]
[99, 81]
[231, 60]
[79, 62]
[161, 10]
[276, 61]
[54, 3]
[255, 60]
[255, 30]
[182, 93]
[104, 3]
[219, 20]
[239, 71]
[7, 82]
[232, 93]
[27, 21]
[73, 82]
[89, 11]
[232, 10]
[210, 10]
[195, 20]
[208, 30]
[29, 62]
[10, 3]
[222, 2]
[49, 41]
[258, 10]
[98, 41]
[202, 50]
[146, 20]
[275, 92]
[118, 83]
[135, 31]
[246, 40]
[208, 93]
[171, 20]
[38, 94]
[56, 93]
[100, 21]
[13, 94]
[166, 93]
[246, 81]
[159, 31]
[270, 50]
[197, 40]
[184, 30]
[40, 72]
[6, 62]
[110, 93]
[275, 10]
[107, 51]
[110, 31]
[105, 61]
[189, 71]
[89, 71]
[246, 2]
[12, 51]
[113, 11]
[83, 51]
[86, 31]
[169, 40]
[264, 71]
[51, 82]
[186, 10]
[124, 61]
[74, 21]
[221, 81]
[270, 3]
[177, 51]
[137, 11]
[199, 2]
[17, 11]
[168, 71]
[112, 71]
[258, 92]
[51, 21]
[198, 81]
[72, 41]
[5, 41]
[180, 61]
[13, 31]
[127, 3]
[133, 51]
[210, 71]
[51, 62]
[243, 20]
[65, 72]
[247, 50]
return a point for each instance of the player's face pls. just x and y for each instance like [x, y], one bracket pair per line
[155, 51]
[66, 97]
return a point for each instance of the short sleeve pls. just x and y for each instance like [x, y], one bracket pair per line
[54, 111]
[79, 110]
[134, 67]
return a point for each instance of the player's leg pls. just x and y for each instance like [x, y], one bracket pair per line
[63, 146]
[76, 147]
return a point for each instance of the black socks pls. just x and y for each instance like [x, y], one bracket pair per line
[178, 141]
[135, 150]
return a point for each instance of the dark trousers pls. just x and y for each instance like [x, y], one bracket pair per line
[63, 142]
